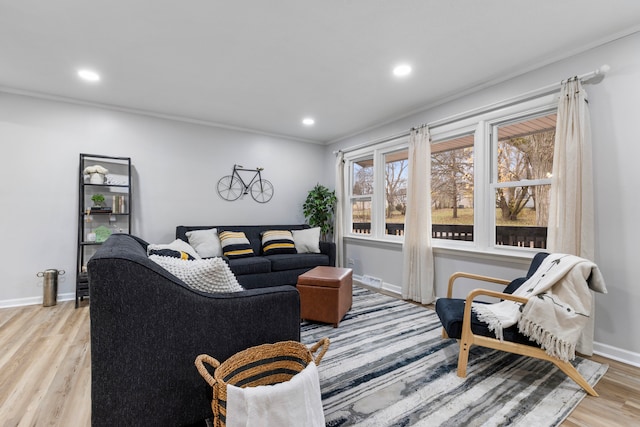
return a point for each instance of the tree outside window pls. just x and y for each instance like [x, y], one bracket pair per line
[396, 172]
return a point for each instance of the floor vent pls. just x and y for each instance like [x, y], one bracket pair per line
[376, 282]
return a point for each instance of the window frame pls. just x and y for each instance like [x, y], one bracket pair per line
[446, 133]
[493, 180]
[354, 198]
[481, 124]
[376, 152]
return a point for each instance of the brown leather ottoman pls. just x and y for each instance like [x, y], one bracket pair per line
[325, 294]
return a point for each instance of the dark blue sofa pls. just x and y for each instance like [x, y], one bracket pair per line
[147, 327]
[263, 271]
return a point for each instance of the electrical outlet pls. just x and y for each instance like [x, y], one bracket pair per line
[350, 261]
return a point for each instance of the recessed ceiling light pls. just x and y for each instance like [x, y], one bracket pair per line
[402, 70]
[308, 121]
[88, 75]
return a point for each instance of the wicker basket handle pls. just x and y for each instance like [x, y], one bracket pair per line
[200, 361]
[324, 343]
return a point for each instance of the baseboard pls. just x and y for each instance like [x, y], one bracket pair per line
[19, 302]
[392, 288]
[618, 354]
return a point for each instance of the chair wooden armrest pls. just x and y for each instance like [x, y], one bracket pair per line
[479, 277]
[472, 276]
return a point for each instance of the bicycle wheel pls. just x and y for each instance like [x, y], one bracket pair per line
[230, 188]
[262, 191]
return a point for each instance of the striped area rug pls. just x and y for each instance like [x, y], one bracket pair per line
[388, 365]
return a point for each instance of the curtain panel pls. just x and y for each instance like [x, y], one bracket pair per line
[338, 223]
[571, 226]
[417, 252]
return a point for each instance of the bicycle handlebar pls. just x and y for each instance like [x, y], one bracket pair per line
[240, 167]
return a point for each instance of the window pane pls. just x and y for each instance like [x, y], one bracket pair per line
[522, 215]
[525, 149]
[395, 182]
[452, 183]
[525, 152]
[362, 177]
[361, 216]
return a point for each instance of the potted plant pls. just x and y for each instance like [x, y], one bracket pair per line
[98, 200]
[318, 209]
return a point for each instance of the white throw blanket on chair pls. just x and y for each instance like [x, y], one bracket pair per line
[558, 308]
[294, 403]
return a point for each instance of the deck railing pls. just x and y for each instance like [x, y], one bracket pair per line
[528, 237]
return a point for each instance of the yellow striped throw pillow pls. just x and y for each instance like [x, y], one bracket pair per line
[235, 244]
[277, 242]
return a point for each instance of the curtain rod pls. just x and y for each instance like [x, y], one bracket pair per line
[592, 77]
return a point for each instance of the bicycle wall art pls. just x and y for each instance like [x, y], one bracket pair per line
[232, 187]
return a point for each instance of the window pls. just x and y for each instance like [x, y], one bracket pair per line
[361, 194]
[452, 185]
[490, 180]
[378, 189]
[396, 166]
[522, 180]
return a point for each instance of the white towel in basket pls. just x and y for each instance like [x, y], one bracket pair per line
[296, 402]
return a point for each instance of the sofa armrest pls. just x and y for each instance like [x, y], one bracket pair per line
[147, 329]
[329, 248]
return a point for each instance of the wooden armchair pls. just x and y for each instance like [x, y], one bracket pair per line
[461, 323]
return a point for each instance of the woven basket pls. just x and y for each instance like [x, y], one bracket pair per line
[266, 364]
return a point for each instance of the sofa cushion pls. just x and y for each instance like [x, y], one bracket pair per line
[235, 245]
[277, 242]
[176, 245]
[206, 275]
[307, 241]
[250, 265]
[205, 242]
[284, 262]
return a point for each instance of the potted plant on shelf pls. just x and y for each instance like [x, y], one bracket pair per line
[98, 201]
[318, 209]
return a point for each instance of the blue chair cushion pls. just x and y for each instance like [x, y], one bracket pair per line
[451, 310]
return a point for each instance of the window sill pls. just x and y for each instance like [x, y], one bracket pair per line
[395, 243]
[453, 248]
[523, 256]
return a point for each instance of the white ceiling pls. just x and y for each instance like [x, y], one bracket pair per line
[264, 65]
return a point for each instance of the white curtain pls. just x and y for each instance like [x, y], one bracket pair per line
[338, 222]
[571, 225]
[417, 253]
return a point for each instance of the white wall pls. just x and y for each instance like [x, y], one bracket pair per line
[614, 105]
[176, 167]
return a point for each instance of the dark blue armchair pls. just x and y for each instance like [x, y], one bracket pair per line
[461, 323]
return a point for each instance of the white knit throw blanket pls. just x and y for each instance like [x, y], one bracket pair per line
[558, 308]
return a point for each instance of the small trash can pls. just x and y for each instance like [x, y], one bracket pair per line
[50, 286]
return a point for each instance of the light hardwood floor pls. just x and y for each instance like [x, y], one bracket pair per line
[45, 373]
